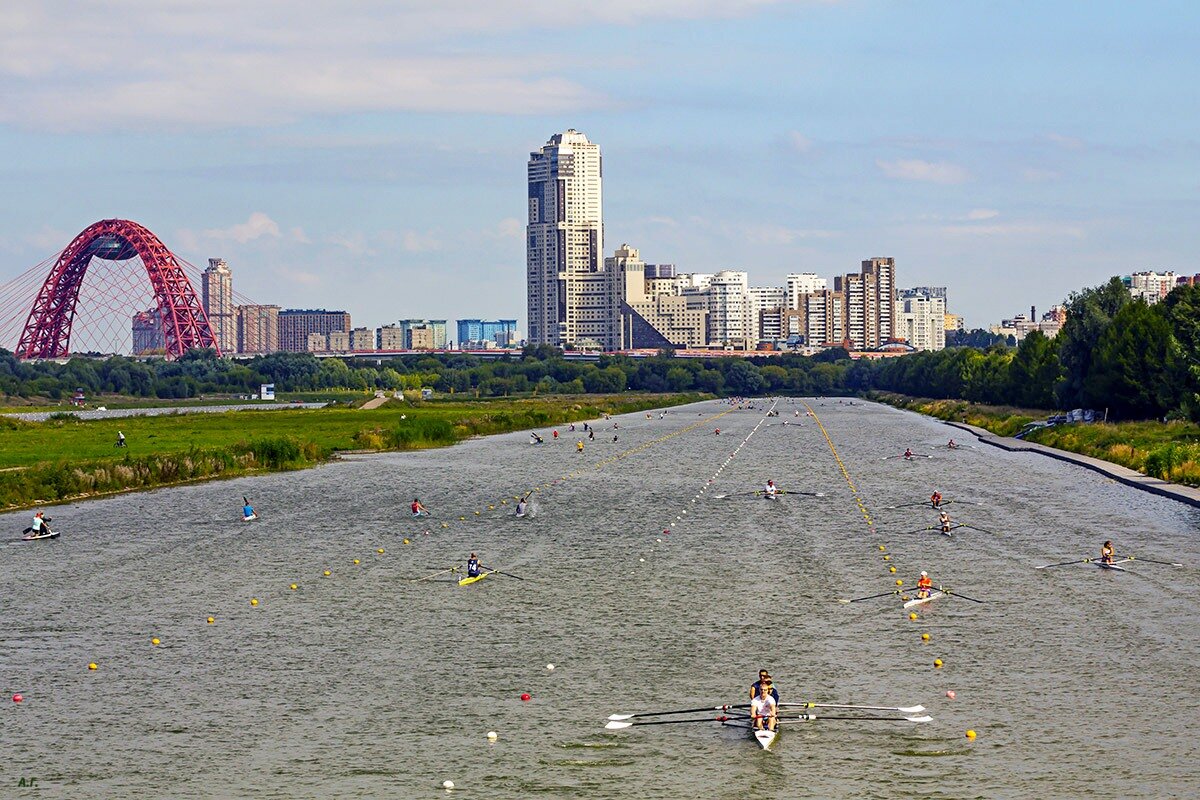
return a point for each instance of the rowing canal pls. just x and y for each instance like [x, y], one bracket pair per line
[363, 683]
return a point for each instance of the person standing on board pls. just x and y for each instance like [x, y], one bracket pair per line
[924, 586]
[764, 708]
[764, 679]
[473, 568]
[935, 499]
[944, 520]
[39, 525]
[770, 491]
[1107, 552]
[419, 510]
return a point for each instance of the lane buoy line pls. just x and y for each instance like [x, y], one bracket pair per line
[912, 616]
[713, 478]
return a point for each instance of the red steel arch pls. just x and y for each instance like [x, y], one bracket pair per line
[47, 332]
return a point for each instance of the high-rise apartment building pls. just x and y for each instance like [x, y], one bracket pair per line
[652, 315]
[296, 324]
[362, 340]
[571, 300]
[257, 329]
[148, 335]
[729, 308]
[501, 331]
[423, 334]
[763, 300]
[870, 297]
[801, 283]
[921, 320]
[216, 293]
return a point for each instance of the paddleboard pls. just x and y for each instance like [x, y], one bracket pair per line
[34, 537]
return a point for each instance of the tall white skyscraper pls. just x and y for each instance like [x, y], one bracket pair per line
[572, 299]
[216, 293]
[799, 283]
[728, 307]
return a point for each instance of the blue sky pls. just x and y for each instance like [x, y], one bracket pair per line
[370, 155]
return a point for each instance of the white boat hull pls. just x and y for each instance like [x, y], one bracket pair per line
[923, 600]
[765, 738]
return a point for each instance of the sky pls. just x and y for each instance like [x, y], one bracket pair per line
[369, 155]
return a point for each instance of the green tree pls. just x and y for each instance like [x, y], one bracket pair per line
[1089, 313]
[1133, 366]
[1034, 372]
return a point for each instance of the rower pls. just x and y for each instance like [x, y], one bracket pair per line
[769, 490]
[764, 679]
[592, 435]
[522, 506]
[764, 708]
[952, 445]
[1107, 553]
[717, 432]
[247, 509]
[908, 453]
[534, 438]
[418, 510]
[473, 568]
[924, 586]
[556, 433]
[579, 446]
[944, 520]
[935, 499]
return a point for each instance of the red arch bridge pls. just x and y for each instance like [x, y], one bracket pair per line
[111, 271]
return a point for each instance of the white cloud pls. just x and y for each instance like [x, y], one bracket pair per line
[982, 213]
[299, 236]
[941, 172]
[780, 234]
[1027, 230]
[1065, 142]
[256, 227]
[229, 63]
[799, 142]
[508, 228]
[355, 243]
[417, 242]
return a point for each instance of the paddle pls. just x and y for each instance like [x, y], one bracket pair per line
[1152, 561]
[871, 596]
[434, 575]
[1066, 563]
[944, 590]
[670, 713]
[616, 726]
[917, 709]
[498, 572]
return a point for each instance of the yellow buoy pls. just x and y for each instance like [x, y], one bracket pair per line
[327, 573]
[970, 734]
[887, 558]
[477, 513]
[93, 666]
[924, 637]
[912, 615]
[380, 551]
[891, 569]
[462, 519]
[406, 541]
[445, 524]
[293, 587]
[937, 663]
[211, 620]
[356, 561]
[154, 641]
[899, 582]
[253, 601]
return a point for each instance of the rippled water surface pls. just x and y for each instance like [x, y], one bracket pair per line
[364, 683]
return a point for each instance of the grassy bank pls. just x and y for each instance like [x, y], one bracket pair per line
[1170, 451]
[1000, 420]
[67, 458]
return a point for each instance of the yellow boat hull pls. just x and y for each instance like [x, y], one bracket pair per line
[468, 581]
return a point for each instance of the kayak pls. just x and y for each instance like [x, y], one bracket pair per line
[922, 600]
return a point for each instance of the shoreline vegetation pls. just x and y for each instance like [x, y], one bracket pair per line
[68, 459]
[1166, 450]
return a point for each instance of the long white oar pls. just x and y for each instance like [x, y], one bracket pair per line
[1066, 563]
[898, 709]
[434, 575]
[617, 725]
[1150, 561]
[681, 711]
[908, 718]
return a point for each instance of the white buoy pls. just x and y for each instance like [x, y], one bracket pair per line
[492, 736]
[447, 784]
[550, 667]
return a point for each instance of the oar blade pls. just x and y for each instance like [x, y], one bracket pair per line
[923, 718]
[616, 725]
[918, 709]
[620, 716]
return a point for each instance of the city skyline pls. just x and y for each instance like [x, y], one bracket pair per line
[1002, 155]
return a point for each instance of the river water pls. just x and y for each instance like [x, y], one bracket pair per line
[363, 683]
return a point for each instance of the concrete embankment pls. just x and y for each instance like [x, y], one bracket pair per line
[1175, 491]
